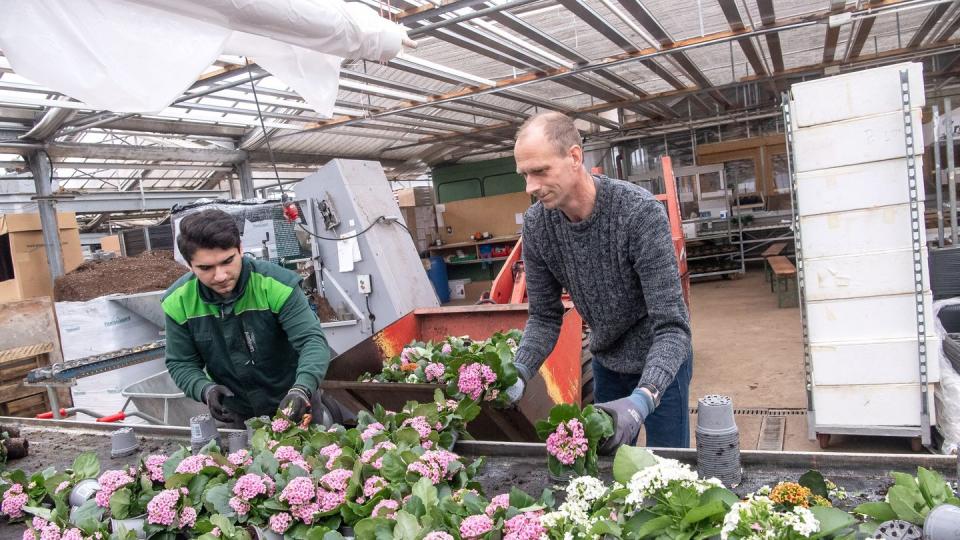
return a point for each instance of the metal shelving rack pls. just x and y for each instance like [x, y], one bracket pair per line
[723, 244]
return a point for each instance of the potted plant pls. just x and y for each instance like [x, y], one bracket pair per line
[573, 435]
[126, 492]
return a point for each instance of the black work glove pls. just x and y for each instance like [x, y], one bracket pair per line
[628, 415]
[296, 403]
[213, 395]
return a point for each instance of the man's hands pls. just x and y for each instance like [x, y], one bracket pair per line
[296, 403]
[628, 416]
[515, 392]
[213, 395]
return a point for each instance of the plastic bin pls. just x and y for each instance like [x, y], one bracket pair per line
[159, 397]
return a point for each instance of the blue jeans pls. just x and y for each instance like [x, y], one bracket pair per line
[669, 425]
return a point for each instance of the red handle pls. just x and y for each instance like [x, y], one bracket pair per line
[112, 417]
[49, 414]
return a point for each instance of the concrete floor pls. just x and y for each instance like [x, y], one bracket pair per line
[747, 348]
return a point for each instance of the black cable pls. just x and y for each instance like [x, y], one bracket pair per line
[370, 315]
[263, 127]
[380, 219]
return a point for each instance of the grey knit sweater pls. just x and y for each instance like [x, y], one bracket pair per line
[620, 269]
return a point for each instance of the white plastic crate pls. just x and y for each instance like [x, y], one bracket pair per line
[854, 187]
[860, 140]
[891, 361]
[874, 274]
[866, 319]
[858, 232]
[846, 96]
[871, 405]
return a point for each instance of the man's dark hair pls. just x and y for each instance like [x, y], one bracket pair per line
[207, 229]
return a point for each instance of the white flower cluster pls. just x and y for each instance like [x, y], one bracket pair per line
[666, 473]
[573, 516]
[758, 516]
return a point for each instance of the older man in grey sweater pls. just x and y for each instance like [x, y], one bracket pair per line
[607, 242]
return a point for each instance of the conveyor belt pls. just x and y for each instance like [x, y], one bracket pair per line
[65, 372]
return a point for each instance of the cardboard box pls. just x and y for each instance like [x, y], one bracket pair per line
[500, 215]
[22, 251]
[110, 243]
[416, 196]
[422, 222]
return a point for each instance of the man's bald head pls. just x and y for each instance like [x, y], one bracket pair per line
[557, 130]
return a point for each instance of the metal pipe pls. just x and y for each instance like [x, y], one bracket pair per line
[39, 163]
[951, 171]
[938, 173]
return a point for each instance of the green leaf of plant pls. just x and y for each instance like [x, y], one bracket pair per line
[86, 465]
[629, 460]
[39, 511]
[88, 516]
[226, 526]
[709, 533]
[905, 480]
[407, 527]
[520, 499]
[832, 520]
[427, 492]
[713, 508]
[218, 497]
[366, 529]
[179, 480]
[654, 525]
[814, 481]
[878, 511]
[333, 535]
[719, 494]
[932, 486]
[906, 504]
[120, 504]
[316, 533]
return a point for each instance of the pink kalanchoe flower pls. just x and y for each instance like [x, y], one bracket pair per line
[272, 444]
[72, 534]
[305, 512]
[328, 500]
[372, 431]
[331, 452]
[195, 464]
[373, 485]
[162, 508]
[368, 455]
[249, 486]
[271, 485]
[474, 378]
[38, 522]
[475, 526]
[14, 499]
[433, 464]
[406, 356]
[446, 349]
[299, 463]
[279, 425]
[241, 458]
[299, 491]
[110, 482]
[287, 453]
[279, 523]
[498, 502]
[386, 508]
[434, 372]
[438, 535]
[28, 534]
[62, 486]
[568, 442]
[525, 526]
[215, 532]
[239, 506]
[336, 480]
[420, 424]
[154, 466]
[50, 532]
[188, 517]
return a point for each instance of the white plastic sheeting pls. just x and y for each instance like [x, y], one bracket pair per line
[140, 55]
[948, 393]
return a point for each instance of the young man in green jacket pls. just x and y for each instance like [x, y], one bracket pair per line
[241, 337]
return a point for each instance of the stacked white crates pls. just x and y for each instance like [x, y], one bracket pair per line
[856, 256]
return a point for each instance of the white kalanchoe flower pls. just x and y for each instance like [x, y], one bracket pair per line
[647, 482]
[412, 378]
[586, 489]
[802, 520]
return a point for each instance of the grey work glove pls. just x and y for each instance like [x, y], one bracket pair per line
[515, 391]
[213, 395]
[628, 415]
[296, 403]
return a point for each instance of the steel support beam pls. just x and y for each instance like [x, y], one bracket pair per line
[122, 201]
[245, 173]
[732, 14]
[833, 32]
[39, 163]
[930, 21]
[768, 17]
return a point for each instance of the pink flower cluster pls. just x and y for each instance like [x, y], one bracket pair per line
[62, 486]
[446, 349]
[386, 508]
[249, 486]
[433, 464]
[331, 452]
[434, 372]
[14, 499]
[162, 508]
[373, 485]
[154, 466]
[307, 499]
[279, 425]
[525, 526]
[299, 491]
[110, 482]
[188, 517]
[240, 506]
[501, 501]
[438, 535]
[568, 442]
[475, 526]
[367, 455]
[420, 424]
[288, 455]
[406, 356]
[336, 480]
[51, 531]
[241, 458]
[195, 464]
[372, 431]
[474, 379]
[279, 523]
